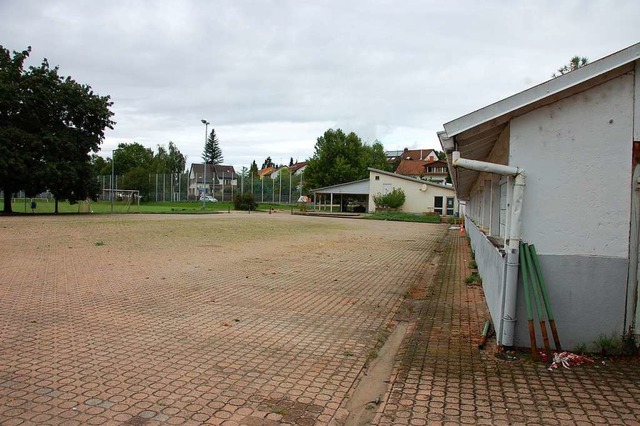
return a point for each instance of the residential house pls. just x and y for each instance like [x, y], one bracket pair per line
[412, 154]
[266, 172]
[530, 168]
[211, 179]
[298, 168]
[430, 170]
[274, 171]
[225, 175]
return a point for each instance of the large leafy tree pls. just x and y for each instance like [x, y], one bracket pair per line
[340, 158]
[135, 163]
[127, 157]
[49, 125]
[212, 153]
[376, 157]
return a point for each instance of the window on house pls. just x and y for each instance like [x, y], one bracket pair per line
[449, 206]
[377, 177]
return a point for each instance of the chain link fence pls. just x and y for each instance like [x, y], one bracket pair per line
[178, 187]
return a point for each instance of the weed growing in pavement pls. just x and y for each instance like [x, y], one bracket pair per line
[99, 243]
[580, 349]
[606, 345]
[473, 279]
[280, 410]
[629, 344]
[381, 338]
[473, 264]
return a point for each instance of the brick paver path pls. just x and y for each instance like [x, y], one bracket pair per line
[442, 378]
[219, 319]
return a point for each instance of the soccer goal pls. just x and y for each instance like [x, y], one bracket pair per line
[129, 196]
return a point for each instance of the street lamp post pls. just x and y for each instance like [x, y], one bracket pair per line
[113, 175]
[204, 193]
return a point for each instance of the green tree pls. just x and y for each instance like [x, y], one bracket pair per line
[160, 161]
[99, 164]
[177, 161]
[212, 153]
[131, 155]
[340, 158]
[574, 63]
[138, 178]
[376, 157]
[49, 125]
[267, 163]
[253, 170]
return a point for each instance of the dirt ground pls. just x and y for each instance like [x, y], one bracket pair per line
[222, 319]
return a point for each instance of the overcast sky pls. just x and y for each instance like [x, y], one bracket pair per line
[272, 76]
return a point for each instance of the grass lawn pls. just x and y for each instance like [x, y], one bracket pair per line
[184, 207]
[404, 217]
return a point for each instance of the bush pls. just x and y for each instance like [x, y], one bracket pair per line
[245, 201]
[392, 200]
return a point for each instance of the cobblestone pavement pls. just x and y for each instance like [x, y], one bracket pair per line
[440, 376]
[263, 320]
[220, 319]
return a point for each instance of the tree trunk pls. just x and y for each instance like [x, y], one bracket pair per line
[56, 206]
[7, 200]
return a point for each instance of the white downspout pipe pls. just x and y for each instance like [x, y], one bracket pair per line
[513, 248]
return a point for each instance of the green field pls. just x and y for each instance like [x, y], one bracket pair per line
[44, 206]
[404, 217]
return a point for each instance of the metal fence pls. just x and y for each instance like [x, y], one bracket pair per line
[167, 187]
[178, 187]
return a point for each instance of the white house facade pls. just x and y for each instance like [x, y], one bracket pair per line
[531, 169]
[421, 196]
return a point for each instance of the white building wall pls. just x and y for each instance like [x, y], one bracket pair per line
[577, 201]
[417, 200]
[577, 157]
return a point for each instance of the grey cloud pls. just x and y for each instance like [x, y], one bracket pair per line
[389, 70]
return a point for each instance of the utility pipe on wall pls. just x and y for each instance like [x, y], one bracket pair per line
[513, 249]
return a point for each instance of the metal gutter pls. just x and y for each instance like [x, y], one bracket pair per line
[508, 317]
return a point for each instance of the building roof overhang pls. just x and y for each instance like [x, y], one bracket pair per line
[475, 134]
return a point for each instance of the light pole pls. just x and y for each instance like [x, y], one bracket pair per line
[204, 194]
[113, 176]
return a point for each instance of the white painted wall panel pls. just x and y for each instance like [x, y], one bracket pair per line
[577, 158]
[417, 201]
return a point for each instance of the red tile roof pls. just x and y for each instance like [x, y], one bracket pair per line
[412, 167]
[297, 166]
[417, 154]
[266, 171]
[420, 168]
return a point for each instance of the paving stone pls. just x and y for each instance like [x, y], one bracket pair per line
[261, 319]
[441, 352]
